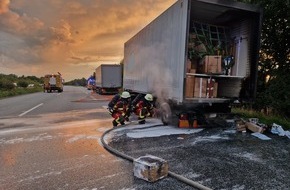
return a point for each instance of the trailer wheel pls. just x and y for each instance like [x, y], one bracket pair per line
[166, 114]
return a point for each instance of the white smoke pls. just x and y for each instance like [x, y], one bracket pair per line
[156, 75]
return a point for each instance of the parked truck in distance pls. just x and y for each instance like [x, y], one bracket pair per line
[197, 57]
[53, 82]
[108, 79]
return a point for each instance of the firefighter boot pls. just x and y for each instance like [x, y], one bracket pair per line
[115, 123]
[142, 121]
[122, 120]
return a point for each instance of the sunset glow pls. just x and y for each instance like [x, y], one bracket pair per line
[73, 38]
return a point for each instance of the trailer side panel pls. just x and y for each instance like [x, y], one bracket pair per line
[154, 58]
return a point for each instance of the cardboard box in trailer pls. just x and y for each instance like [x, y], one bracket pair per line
[53, 82]
[108, 79]
[197, 54]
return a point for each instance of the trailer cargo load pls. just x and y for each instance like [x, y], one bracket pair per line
[108, 79]
[198, 53]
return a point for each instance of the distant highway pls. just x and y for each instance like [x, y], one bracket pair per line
[41, 103]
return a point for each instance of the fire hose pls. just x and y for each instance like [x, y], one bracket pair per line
[129, 158]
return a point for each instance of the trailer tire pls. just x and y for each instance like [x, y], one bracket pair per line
[165, 113]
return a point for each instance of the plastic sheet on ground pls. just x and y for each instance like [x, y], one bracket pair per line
[261, 136]
[278, 130]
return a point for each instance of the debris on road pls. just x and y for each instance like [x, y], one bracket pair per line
[251, 124]
[240, 126]
[254, 127]
[150, 168]
[261, 136]
[278, 130]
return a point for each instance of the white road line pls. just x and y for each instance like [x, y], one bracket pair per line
[93, 97]
[30, 110]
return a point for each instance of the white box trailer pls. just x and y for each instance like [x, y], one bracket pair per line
[108, 79]
[156, 59]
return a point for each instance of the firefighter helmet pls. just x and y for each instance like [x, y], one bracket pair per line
[125, 94]
[149, 97]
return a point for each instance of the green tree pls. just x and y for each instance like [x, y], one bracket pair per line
[273, 85]
[35, 79]
[22, 83]
[77, 82]
[6, 84]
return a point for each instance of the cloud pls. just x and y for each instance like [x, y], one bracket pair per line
[4, 6]
[52, 33]
[62, 33]
[12, 22]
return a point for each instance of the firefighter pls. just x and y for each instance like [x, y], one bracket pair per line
[144, 108]
[119, 108]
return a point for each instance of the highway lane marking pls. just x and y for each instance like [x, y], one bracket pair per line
[93, 97]
[30, 110]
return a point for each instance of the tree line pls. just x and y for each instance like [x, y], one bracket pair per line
[11, 81]
[273, 90]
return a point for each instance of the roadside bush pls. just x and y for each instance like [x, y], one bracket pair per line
[23, 84]
[8, 89]
[6, 84]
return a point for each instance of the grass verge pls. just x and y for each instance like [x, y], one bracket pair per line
[19, 91]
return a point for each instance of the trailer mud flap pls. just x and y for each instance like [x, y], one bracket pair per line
[165, 113]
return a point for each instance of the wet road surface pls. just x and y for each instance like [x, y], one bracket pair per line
[62, 150]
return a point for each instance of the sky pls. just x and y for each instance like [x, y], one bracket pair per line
[73, 37]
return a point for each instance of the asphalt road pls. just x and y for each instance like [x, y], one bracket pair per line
[52, 141]
[58, 147]
[40, 103]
